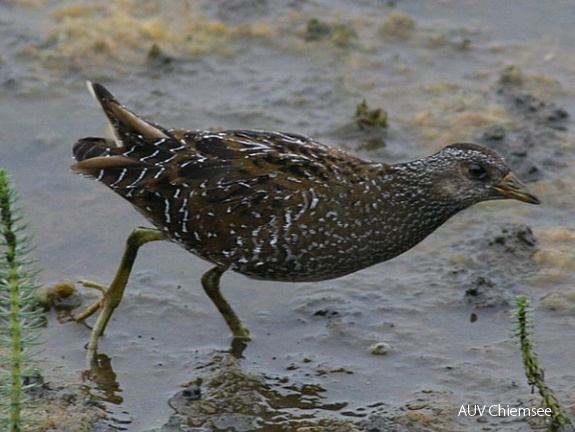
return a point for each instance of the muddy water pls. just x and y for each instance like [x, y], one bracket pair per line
[393, 347]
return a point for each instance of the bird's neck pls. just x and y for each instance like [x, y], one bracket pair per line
[410, 210]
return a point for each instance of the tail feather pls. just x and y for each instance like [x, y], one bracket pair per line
[134, 138]
[88, 148]
[138, 150]
[124, 123]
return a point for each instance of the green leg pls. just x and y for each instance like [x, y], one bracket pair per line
[113, 295]
[211, 284]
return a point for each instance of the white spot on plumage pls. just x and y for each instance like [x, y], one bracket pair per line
[140, 177]
[167, 217]
[153, 155]
[119, 179]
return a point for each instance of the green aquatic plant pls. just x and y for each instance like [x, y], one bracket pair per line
[19, 317]
[512, 76]
[317, 30]
[342, 35]
[398, 24]
[367, 117]
[559, 420]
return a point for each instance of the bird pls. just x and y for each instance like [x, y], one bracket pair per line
[277, 206]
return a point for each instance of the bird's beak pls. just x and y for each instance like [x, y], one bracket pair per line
[512, 188]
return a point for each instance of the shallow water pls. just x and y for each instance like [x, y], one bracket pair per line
[312, 359]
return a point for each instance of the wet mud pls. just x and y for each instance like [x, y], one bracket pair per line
[401, 346]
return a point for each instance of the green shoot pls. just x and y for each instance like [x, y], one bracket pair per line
[559, 420]
[19, 318]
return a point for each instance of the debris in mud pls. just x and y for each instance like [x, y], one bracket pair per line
[512, 76]
[317, 29]
[398, 24]
[157, 56]
[500, 257]
[526, 144]
[419, 414]
[234, 399]
[367, 117]
[535, 109]
[342, 35]
[69, 410]
[63, 297]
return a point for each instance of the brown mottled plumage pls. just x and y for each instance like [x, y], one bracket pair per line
[280, 206]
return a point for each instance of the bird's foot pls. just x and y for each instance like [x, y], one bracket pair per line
[95, 306]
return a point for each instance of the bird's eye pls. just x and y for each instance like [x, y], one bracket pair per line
[476, 171]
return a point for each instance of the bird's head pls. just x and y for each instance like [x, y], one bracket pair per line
[469, 173]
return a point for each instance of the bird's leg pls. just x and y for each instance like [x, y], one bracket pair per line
[113, 295]
[211, 284]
